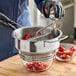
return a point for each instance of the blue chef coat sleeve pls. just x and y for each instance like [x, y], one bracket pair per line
[39, 4]
[24, 18]
[9, 8]
[18, 11]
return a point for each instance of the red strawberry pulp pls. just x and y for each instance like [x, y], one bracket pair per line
[28, 36]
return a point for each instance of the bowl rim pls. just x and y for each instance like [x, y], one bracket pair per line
[14, 34]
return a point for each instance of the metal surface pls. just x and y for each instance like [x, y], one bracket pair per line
[46, 43]
[5, 22]
[40, 49]
[21, 32]
[51, 26]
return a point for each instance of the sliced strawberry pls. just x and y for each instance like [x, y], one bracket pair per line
[59, 53]
[28, 36]
[36, 66]
[41, 67]
[33, 69]
[38, 34]
[29, 65]
[23, 38]
[65, 53]
[34, 35]
[61, 49]
[61, 56]
[68, 56]
[64, 56]
[68, 52]
[72, 49]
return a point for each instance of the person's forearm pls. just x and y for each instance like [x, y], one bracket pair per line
[39, 4]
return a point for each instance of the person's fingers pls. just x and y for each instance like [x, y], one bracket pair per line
[60, 12]
[55, 11]
[46, 9]
[57, 14]
[63, 11]
[51, 9]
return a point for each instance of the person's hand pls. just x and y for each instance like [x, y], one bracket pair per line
[57, 7]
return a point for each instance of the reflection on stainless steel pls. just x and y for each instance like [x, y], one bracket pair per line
[34, 50]
[36, 57]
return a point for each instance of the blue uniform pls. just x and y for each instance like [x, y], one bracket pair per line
[18, 11]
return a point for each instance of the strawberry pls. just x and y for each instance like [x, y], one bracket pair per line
[68, 56]
[33, 69]
[38, 34]
[28, 36]
[64, 56]
[34, 35]
[72, 49]
[29, 65]
[65, 53]
[41, 67]
[61, 56]
[68, 52]
[61, 49]
[24, 38]
[58, 53]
